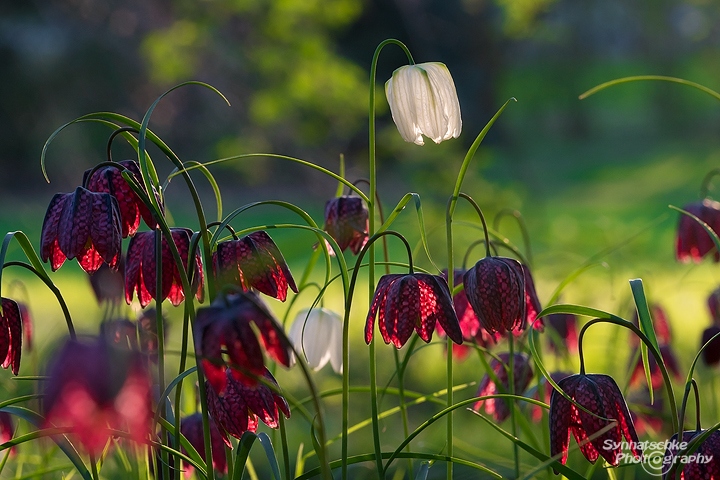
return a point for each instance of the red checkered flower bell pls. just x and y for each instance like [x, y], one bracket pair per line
[346, 220]
[109, 179]
[227, 326]
[11, 331]
[600, 395]
[692, 241]
[254, 261]
[239, 407]
[522, 375]
[702, 464]
[82, 225]
[192, 428]
[495, 288]
[140, 268]
[414, 301]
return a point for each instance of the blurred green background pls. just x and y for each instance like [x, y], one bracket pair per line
[593, 178]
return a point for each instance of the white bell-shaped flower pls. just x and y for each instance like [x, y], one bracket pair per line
[317, 333]
[423, 101]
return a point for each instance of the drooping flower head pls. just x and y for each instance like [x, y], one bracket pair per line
[711, 355]
[317, 334]
[141, 264]
[7, 430]
[93, 388]
[227, 325]
[693, 242]
[656, 377]
[522, 375]
[423, 101]
[469, 323]
[11, 332]
[600, 395]
[713, 303]
[254, 261]
[346, 220]
[239, 407]
[564, 331]
[416, 301]
[108, 284]
[495, 288]
[82, 225]
[192, 428]
[532, 302]
[109, 179]
[148, 334]
[703, 463]
[120, 333]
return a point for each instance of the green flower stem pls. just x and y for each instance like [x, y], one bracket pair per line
[523, 229]
[403, 408]
[637, 78]
[161, 345]
[285, 450]
[371, 231]
[688, 382]
[513, 420]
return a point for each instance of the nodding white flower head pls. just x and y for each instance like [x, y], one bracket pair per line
[317, 334]
[423, 101]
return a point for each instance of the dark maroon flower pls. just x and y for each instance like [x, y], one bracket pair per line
[7, 430]
[346, 220]
[226, 327]
[11, 332]
[713, 303]
[110, 180]
[192, 428]
[141, 265]
[93, 388]
[414, 301]
[600, 395]
[564, 335]
[254, 261]
[495, 288]
[660, 322]
[656, 377]
[702, 464]
[238, 408]
[497, 407]
[147, 333]
[82, 224]
[711, 355]
[693, 242]
[108, 284]
[532, 303]
[120, 333]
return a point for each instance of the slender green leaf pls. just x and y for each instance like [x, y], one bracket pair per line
[243, 450]
[270, 453]
[638, 78]
[423, 473]
[646, 326]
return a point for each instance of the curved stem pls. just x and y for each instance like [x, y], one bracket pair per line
[482, 219]
[637, 78]
[706, 182]
[227, 226]
[697, 405]
[651, 349]
[115, 134]
[523, 229]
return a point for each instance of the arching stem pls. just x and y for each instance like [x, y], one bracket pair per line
[115, 134]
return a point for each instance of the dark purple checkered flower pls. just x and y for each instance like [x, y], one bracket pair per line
[495, 288]
[11, 332]
[703, 464]
[693, 242]
[226, 327]
[141, 263]
[110, 180]
[108, 284]
[600, 395]
[414, 301]
[522, 375]
[238, 409]
[346, 220]
[711, 355]
[192, 428]
[254, 261]
[82, 225]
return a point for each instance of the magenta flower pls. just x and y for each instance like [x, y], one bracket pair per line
[82, 225]
[693, 242]
[346, 220]
[414, 301]
[11, 331]
[110, 180]
[499, 408]
[600, 395]
[495, 288]
[192, 428]
[254, 261]
[227, 327]
[7, 430]
[141, 265]
[93, 388]
[237, 410]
